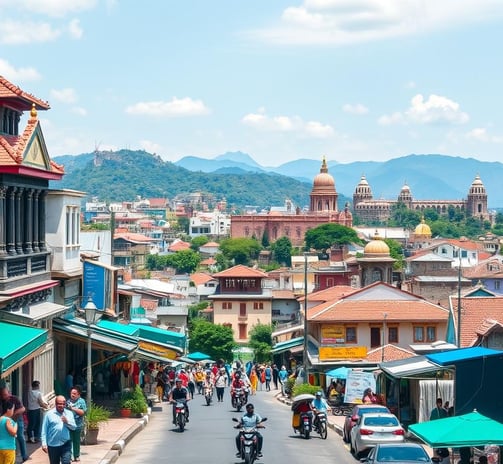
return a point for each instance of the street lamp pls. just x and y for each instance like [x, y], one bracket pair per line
[92, 316]
[459, 300]
[305, 319]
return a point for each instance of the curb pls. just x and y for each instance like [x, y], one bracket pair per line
[288, 402]
[118, 447]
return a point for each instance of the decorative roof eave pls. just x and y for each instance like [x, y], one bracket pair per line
[31, 172]
[24, 100]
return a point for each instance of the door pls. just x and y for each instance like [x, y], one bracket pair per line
[375, 337]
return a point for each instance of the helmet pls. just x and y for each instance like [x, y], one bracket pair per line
[237, 375]
[178, 379]
[318, 393]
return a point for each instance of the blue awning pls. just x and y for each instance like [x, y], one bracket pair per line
[287, 345]
[165, 337]
[18, 343]
[462, 354]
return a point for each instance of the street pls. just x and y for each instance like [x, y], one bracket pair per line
[209, 437]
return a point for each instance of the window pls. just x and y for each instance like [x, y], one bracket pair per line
[226, 305]
[419, 334]
[351, 335]
[431, 334]
[242, 309]
[392, 334]
[258, 305]
[497, 285]
[72, 225]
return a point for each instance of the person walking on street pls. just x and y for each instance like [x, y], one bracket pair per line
[221, 381]
[275, 376]
[35, 403]
[438, 412]
[78, 406]
[56, 428]
[8, 430]
[19, 410]
[268, 377]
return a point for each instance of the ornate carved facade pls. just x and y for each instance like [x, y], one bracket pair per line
[369, 210]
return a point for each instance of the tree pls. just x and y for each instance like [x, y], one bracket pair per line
[197, 242]
[241, 250]
[184, 261]
[217, 341]
[183, 224]
[261, 342]
[265, 239]
[396, 252]
[328, 235]
[195, 309]
[282, 250]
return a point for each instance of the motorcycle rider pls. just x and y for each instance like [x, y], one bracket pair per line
[179, 393]
[319, 405]
[250, 419]
[236, 383]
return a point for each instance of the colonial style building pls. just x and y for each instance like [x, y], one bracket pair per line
[368, 209]
[292, 223]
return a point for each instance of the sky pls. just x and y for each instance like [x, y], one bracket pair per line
[280, 80]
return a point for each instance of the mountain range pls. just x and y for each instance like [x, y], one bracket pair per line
[124, 174]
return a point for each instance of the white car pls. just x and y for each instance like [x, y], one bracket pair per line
[375, 428]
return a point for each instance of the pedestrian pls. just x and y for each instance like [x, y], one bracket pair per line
[275, 376]
[17, 415]
[261, 376]
[438, 412]
[160, 386]
[8, 430]
[283, 377]
[78, 406]
[191, 386]
[369, 396]
[35, 403]
[56, 428]
[220, 384]
[268, 377]
[69, 380]
[253, 381]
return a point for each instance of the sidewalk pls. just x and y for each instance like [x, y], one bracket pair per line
[112, 438]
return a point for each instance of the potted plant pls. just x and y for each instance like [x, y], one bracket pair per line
[139, 404]
[95, 416]
[126, 406]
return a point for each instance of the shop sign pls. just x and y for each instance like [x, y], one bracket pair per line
[332, 334]
[157, 350]
[342, 352]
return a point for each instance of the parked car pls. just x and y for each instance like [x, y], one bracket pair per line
[355, 414]
[374, 428]
[398, 453]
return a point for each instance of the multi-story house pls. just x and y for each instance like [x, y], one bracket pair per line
[240, 301]
[130, 250]
[489, 273]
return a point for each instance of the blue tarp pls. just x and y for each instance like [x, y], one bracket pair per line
[462, 354]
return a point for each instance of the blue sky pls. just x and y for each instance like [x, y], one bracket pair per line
[353, 80]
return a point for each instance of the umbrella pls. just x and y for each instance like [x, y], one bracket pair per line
[301, 398]
[197, 356]
[339, 373]
[472, 429]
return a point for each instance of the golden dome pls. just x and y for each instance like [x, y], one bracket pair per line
[422, 229]
[324, 179]
[377, 246]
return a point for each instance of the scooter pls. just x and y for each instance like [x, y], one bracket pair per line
[249, 441]
[238, 399]
[181, 414]
[320, 424]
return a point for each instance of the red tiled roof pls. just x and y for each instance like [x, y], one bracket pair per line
[283, 294]
[179, 246]
[132, 237]
[372, 311]
[208, 262]
[210, 244]
[391, 353]
[490, 268]
[241, 271]
[157, 202]
[200, 278]
[330, 294]
[24, 100]
[474, 311]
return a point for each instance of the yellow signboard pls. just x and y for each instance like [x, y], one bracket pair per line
[332, 334]
[342, 352]
[155, 349]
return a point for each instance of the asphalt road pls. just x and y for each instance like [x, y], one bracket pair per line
[209, 437]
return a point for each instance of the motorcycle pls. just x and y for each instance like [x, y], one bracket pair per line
[181, 414]
[249, 441]
[302, 419]
[320, 424]
[208, 395]
[238, 399]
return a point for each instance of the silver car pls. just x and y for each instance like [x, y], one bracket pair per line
[399, 453]
[374, 428]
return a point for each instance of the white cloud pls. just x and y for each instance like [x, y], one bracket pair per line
[76, 32]
[55, 8]
[177, 107]
[355, 109]
[19, 74]
[261, 121]
[67, 95]
[150, 147]
[435, 110]
[78, 110]
[481, 134]
[18, 32]
[340, 22]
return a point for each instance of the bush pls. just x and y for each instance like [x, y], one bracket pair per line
[134, 400]
[305, 388]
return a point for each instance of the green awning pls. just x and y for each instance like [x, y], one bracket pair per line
[18, 343]
[165, 337]
[124, 329]
[289, 344]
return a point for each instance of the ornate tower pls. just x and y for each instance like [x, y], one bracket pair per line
[323, 195]
[363, 191]
[476, 202]
[405, 196]
[376, 264]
